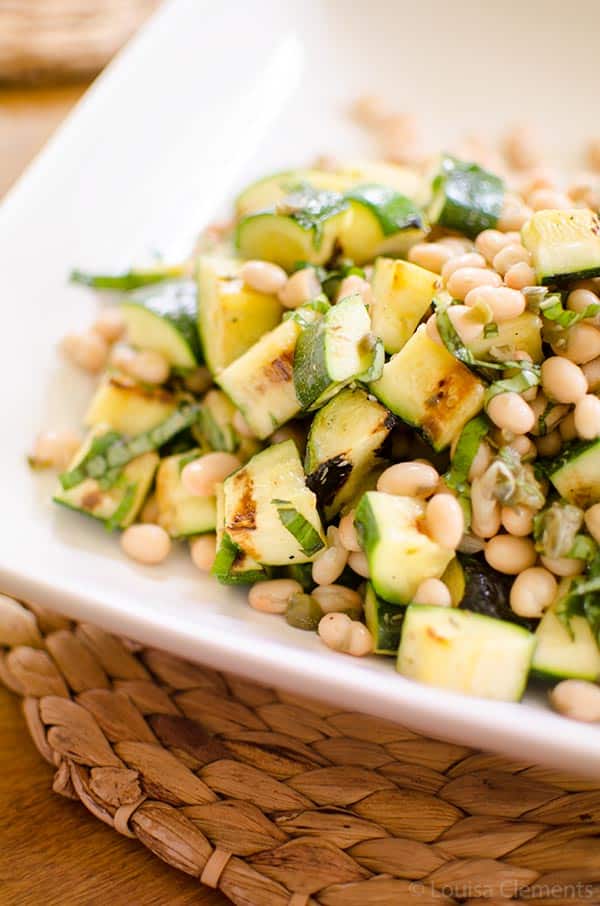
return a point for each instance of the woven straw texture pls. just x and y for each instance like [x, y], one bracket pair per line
[279, 801]
[54, 40]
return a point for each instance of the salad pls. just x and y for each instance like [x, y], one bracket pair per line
[372, 399]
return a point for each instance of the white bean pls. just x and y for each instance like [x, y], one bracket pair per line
[563, 566]
[505, 303]
[514, 214]
[510, 255]
[567, 428]
[148, 544]
[263, 276]
[200, 476]
[549, 199]
[587, 417]
[89, 351]
[433, 591]
[353, 284]
[445, 521]
[361, 640]
[520, 275]
[241, 425]
[532, 592]
[583, 343]
[481, 461]
[577, 699]
[489, 243]
[592, 521]
[335, 598]
[592, 374]
[409, 479]
[273, 595]
[467, 278]
[357, 562]
[469, 259]
[509, 554]
[347, 532]
[335, 630]
[301, 287]
[203, 551]
[510, 412]
[562, 380]
[329, 565]
[517, 520]
[485, 517]
[55, 449]
[430, 255]
[149, 367]
[110, 324]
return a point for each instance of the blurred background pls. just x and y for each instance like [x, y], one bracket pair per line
[50, 50]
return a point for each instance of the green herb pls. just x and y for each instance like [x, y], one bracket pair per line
[129, 280]
[112, 451]
[583, 599]
[490, 330]
[297, 525]
[528, 376]
[305, 314]
[228, 555]
[466, 449]
[123, 508]
[310, 208]
[552, 308]
[584, 548]
[555, 529]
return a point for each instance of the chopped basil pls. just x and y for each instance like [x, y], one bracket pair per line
[123, 509]
[583, 599]
[466, 449]
[491, 330]
[305, 534]
[310, 208]
[552, 308]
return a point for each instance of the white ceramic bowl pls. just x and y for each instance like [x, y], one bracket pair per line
[206, 97]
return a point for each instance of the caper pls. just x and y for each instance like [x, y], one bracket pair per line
[303, 612]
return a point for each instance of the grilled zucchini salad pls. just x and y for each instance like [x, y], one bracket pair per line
[374, 404]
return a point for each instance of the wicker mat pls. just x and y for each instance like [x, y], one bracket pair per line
[58, 40]
[279, 801]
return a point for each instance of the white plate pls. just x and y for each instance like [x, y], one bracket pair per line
[203, 99]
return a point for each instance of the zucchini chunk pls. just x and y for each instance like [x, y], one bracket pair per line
[465, 197]
[332, 351]
[215, 427]
[127, 407]
[116, 505]
[465, 652]
[231, 315]
[382, 222]
[270, 190]
[399, 554]
[131, 279]
[564, 245]
[179, 512]
[403, 180]
[384, 622]
[232, 565]
[576, 473]
[522, 334]
[429, 389]
[163, 318]
[565, 651]
[402, 293]
[269, 512]
[261, 382]
[344, 445]
[303, 226]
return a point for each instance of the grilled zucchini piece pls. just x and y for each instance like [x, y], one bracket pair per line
[117, 505]
[179, 512]
[565, 651]
[402, 293]
[382, 222]
[127, 407]
[231, 315]
[163, 318]
[564, 245]
[429, 389]
[576, 473]
[344, 445]
[232, 565]
[384, 622]
[399, 554]
[465, 652]
[269, 512]
[215, 427]
[465, 197]
[522, 334]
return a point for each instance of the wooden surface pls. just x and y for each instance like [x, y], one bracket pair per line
[53, 852]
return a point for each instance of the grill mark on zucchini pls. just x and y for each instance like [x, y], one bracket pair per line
[280, 370]
[154, 393]
[446, 398]
[328, 478]
[244, 518]
[91, 500]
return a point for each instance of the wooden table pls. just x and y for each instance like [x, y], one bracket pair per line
[53, 852]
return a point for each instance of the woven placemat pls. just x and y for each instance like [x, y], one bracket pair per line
[280, 801]
[45, 41]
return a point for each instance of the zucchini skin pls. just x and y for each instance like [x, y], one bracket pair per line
[175, 301]
[394, 212]
[465, 197]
